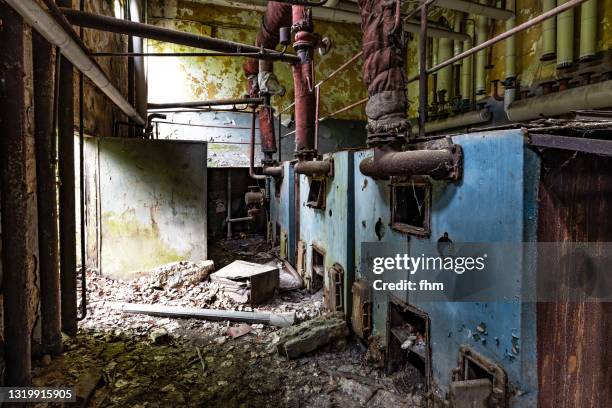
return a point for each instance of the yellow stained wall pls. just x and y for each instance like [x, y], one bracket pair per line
[210, 78]
[201, 78]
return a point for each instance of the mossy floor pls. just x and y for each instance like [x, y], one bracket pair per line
[213, 372]
[136, 373]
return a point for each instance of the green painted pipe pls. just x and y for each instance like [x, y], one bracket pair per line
[588, 30]
[481, 56]
[549, 32]
[565, 37]
[511, 49]
[466, 67]
[445, 75]
[458, 44]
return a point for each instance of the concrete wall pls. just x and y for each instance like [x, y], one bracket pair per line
[150, 197]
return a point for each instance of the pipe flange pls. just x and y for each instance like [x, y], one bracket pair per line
[305, 154]
[381, 139]
[457, 163]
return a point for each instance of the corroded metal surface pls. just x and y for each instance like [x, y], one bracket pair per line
[19, 214]
[574, 341]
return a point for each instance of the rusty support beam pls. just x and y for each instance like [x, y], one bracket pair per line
[119, 26]
[17, 165]
[48, 229]
[67, 214]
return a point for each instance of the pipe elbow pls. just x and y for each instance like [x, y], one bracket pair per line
[440, 164]
[314, 168]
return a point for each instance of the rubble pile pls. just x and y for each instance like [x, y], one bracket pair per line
[176, 285]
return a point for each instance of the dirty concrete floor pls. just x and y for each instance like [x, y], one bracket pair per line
[145, 361]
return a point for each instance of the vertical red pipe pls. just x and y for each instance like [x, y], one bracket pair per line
[303, 84]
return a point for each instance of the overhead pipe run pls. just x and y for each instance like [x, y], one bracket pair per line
[119, 26]
[471, 7]
[594, 96]
[203, 104]
[459, 121]
[52, 31]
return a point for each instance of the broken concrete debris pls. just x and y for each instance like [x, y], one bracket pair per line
[311, 335]
[248, 282]
[181, 273]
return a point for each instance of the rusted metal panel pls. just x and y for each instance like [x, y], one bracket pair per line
[19, 208]
[574, 339]
[361, 317]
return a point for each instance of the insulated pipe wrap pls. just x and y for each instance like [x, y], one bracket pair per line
[383, 69]
[277, 15]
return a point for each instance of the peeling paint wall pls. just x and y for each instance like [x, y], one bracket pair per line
[151, 200]
[189, 78]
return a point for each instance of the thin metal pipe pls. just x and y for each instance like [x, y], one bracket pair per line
[286, 108]
[519, 28]
[82, 185]
[339, 111]
[214, 102]
[423, 71]
[229, 203]
[417, 11]
[342, 67]
[115, 25]
[252, 150]
[180, 54]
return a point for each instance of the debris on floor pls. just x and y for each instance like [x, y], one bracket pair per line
[181, 273]
[134, 371]
[248, 282]
[313, 334]
[153, 360]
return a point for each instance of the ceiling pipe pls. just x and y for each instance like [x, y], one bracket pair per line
[52, 31]
[213, 102]
[115, 25]
[594, 96]
[475, 8]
